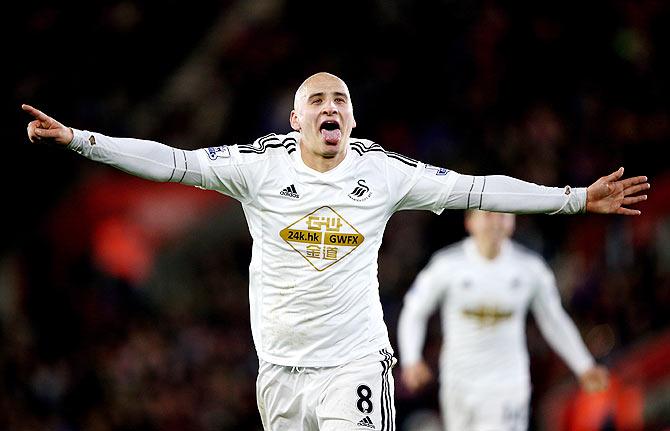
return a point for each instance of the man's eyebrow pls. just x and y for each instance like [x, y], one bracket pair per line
[321, 94]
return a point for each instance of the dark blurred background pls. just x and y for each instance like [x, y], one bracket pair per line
[124, 304]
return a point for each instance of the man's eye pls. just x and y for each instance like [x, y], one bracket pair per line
[316, 101]
[340, 100]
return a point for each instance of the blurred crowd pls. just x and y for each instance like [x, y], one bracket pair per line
[152, 332]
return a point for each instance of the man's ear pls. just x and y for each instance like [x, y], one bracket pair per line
[354, 124]
[295, 122]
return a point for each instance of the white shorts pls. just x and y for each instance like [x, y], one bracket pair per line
[491, 410]
[354, 396]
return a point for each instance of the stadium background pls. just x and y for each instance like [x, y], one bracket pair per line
[123, 303]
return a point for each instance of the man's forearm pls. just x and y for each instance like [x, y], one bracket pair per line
[501, 193]
[147, 159]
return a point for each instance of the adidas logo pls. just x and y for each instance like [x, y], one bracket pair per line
[290, 191]
[366, 422]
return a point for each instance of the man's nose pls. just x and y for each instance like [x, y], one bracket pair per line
[330, 107]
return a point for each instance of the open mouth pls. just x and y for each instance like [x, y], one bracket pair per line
[330, 130]
[330, 125]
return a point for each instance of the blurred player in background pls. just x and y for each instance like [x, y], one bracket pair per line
[484, 286]
[316, 203]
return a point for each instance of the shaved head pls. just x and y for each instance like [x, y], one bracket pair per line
[323, 114]
[318, 78]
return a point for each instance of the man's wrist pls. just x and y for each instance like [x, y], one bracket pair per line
[71, 136]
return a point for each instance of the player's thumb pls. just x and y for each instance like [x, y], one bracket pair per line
[614, 176]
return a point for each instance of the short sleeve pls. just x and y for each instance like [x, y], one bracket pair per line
[224, 171]
[427, 188]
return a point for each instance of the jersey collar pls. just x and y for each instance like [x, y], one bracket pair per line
[472, 252]
[301, 166]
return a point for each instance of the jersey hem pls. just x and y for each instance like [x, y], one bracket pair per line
[287, 362]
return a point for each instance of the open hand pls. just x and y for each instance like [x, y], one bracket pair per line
[612, 195]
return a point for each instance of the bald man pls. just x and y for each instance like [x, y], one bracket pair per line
[316, 202]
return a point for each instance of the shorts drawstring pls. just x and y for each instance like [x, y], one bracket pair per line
[297, 370]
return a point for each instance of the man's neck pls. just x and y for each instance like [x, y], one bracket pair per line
[320, 163]
[488, 249]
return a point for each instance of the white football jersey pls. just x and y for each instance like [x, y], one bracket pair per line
[313, 283]
[484, 305]
[313, 286]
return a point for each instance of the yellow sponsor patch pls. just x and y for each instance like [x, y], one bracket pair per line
[323, 237]
[487, 316]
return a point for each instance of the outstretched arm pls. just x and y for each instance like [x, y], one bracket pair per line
[608, 195]
[146, 159]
